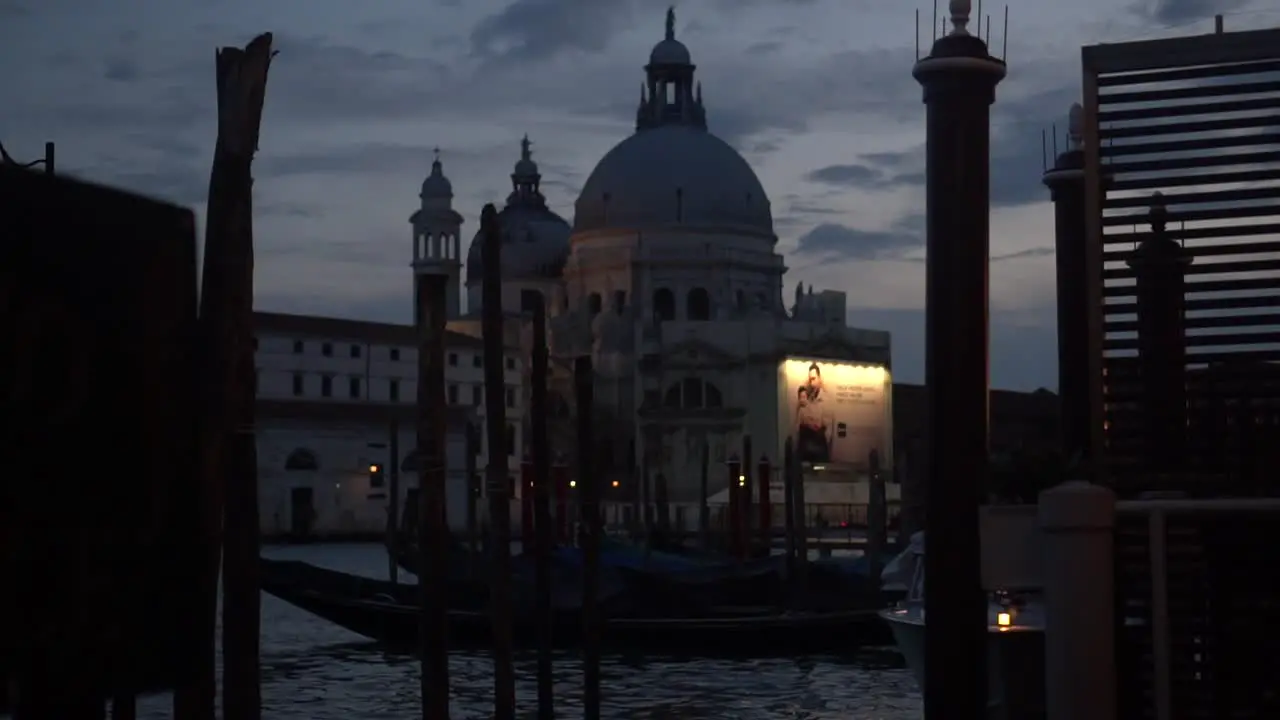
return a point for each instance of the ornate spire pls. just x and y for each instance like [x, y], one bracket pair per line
[1075, 126]
[671, 23]
[960, 16]
[525, 152]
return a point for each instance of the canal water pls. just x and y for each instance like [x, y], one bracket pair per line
[313, 670]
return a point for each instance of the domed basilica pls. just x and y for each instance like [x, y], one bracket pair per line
[669, 277]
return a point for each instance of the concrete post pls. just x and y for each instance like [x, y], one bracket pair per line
[1077, 520]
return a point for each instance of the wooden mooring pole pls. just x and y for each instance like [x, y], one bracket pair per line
[704, 489]
[589, 489]
[227, 464]
[393, 502]
[789, 507]
[430, 288]
[541, 510]
[504, 689]
[877, 522]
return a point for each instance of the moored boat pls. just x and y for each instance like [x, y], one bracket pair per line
[386, 613]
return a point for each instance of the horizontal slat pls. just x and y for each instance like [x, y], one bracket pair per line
[1119, 169]
[1206, 321]
[1188, 110]
[1159, 182]
[1205, 304]
[1206, 286]
[1198, 341]
[1207, 90]
[1215, 268]
[1192, 145]
[1187, 128]
[1195, 251]
[1195, 73]
[1180, 216]
[1194, 198]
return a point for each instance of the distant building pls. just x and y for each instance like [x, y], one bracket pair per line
[331, 393]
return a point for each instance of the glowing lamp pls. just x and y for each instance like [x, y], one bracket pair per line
[615, 483]
[573, 483]
[1004, 619]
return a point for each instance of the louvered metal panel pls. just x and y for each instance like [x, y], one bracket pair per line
[1207, 138]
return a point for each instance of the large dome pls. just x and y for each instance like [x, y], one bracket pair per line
[672, 174]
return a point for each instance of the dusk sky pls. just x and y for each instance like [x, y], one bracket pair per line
[817, 94]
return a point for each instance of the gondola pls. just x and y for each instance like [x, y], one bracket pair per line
[387, 614]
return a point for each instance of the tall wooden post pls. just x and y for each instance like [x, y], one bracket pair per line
[228, 450]
[744, 501]
[431, 287]
[393, 502]
[541, 443]
[704, 489]
[646, 516]
[735, 491]
[504, 688]
[800, 528]
[662, 500]
[877, 520]
[589, 491]
[763, 473]
[789, 507]
[473, 495]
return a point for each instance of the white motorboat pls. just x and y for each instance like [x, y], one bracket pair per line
[1015, 651]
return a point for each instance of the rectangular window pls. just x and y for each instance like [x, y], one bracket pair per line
[395, 354]
[477, 395]
[453, 394]
[297, 384]
[511, 397]
[511, 439]
[326, 349]
[511, 363]
[477, 360]
[255, 343]
[326, 386]
[394, 390]
[355, 351]
[353, 388]
[298, 347]
[453, 359]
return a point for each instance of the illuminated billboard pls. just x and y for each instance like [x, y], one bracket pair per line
[835, 412]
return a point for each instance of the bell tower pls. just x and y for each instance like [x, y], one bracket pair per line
[437, 232]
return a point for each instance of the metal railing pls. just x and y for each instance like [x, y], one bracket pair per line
[1193, 643]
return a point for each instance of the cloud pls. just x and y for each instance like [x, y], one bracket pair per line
[1181, 12]
[535, 30]
[834, 240]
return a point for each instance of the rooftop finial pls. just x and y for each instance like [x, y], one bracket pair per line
[525, 152]
[960, 16]
[671, 23]
[435, 160]
[1075, 126]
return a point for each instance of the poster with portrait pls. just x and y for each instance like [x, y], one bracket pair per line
[835, 412]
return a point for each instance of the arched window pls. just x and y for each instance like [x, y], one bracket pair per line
[664, 304]
[692, 394]
[593, 303]
[712, 396]
[699, 304]
[301, 459]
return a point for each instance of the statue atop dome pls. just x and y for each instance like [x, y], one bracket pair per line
[671, 23]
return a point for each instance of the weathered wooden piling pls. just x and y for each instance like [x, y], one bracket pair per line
[504, 689]
[763, 478]
[704, 489]
[801, 529]
[662, 500]
[541, 510]
[473, 495]
[877, 521]
[228, 450]
[646, 499]
[430, 288]
[589, 491]
[393, 502]
[744, 500]
[789, 507]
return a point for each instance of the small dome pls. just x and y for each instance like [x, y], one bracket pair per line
[535, 245]
[436, 185]
[670, 52]
[669, 175]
